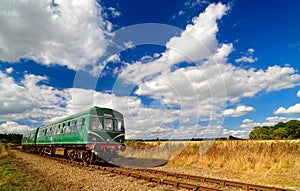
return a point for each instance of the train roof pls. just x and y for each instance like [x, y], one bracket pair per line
[99, 111]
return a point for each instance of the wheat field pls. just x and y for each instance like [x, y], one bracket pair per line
[265, 162]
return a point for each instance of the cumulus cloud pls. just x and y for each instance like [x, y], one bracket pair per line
[238, 111]
[14, 127]
[243, 133]
[196, 42]
[247, 121]
[269, 121]
[295, 109]
[114, 12]
[9, 70]
[298, 93]
[248, 58]
[68, 33]
[276, 119]
[30, 99]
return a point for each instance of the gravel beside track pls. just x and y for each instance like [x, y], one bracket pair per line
[60, 176]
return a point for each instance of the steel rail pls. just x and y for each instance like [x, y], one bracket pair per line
[246, 186]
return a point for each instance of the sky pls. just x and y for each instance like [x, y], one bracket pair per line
[175, 69]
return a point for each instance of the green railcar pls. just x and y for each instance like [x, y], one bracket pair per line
[28, 140]
[97, 133]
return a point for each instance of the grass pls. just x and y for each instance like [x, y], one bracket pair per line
[2, 149]
[266, 162]
[11, 176]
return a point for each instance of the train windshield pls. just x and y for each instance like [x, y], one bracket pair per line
[107, 124]
[96, 123]
[119, 125]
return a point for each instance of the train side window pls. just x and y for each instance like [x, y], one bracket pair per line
[55, 130]
[45, 132]
[50, 131]
[82, 123]
[63, 128]
[74, 126]
[59, 130]
[68, 127]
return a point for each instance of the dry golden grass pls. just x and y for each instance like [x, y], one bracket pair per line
[2, 149]
[266, 162]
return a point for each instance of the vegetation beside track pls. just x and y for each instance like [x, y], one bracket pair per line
[12, 174]
[264, 162]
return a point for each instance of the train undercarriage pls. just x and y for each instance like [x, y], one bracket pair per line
[84, 153]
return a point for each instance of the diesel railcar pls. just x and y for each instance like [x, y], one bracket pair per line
[95, 134]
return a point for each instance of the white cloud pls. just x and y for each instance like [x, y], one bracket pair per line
[248, 58]
[250, 50]
[245, 121]
[14, 127]
[9, 70]
[216, 81]
[238, 111]
[270, 121]
[295, 109]
[276, 119]
[114, 12]
[69, 33]
[128, 44]
[298, 93]
[30, 99]
[236, 133]
[198, 41]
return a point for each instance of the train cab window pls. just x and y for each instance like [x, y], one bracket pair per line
[108, 124]
[96, 123]
[118, 125]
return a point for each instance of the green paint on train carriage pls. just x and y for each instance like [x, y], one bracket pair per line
[101, 125]
[29, 138]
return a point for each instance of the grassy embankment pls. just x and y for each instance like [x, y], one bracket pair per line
[266, 162]
[12, 176]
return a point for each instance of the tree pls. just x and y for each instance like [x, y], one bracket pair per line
[280, 133]
[288, 130]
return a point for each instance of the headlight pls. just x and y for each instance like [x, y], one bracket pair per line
[122, 147]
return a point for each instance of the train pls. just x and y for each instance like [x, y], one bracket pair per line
[96, 134]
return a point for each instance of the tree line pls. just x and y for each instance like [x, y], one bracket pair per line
[11, 138]
[286, 131]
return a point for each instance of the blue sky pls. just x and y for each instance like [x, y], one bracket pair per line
[175, 69]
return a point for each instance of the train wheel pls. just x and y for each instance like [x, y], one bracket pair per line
[52, 151]
[87, 157]
[73, 155]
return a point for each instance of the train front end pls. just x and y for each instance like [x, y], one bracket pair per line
[106, 134]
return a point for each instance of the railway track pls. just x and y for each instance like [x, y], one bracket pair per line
[179, 180]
